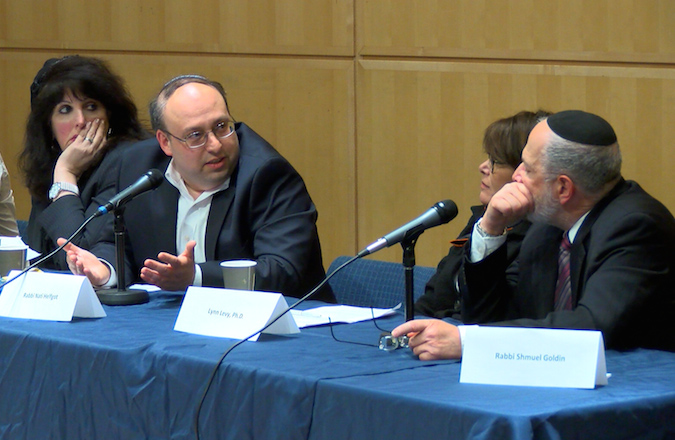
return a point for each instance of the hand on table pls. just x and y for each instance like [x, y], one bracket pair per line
[431, 339]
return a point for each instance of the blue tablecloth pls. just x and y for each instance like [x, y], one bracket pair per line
[130, 376]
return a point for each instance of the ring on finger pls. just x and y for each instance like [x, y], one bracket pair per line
[89, 140]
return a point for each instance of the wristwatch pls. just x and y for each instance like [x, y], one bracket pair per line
[57, 187]
[484, 234]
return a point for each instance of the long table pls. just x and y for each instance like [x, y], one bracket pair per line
[131, 376]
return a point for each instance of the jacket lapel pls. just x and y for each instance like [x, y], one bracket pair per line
[220, 205]
[577, 264]
[540, 269]
[549, 258]
[164, 232]
[578, 251]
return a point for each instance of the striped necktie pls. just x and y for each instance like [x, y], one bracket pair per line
[563, 288]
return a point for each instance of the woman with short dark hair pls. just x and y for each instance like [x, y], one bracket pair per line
[503, 143]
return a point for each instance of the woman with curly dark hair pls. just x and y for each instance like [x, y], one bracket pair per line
[80, 111]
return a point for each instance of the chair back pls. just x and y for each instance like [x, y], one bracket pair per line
[373, 283]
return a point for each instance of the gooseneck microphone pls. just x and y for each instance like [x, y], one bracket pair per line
[439, 214]
[146, 182]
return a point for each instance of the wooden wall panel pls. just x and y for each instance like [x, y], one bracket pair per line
[317, 27]
[16, 75]
[302, 107]
[381, 104]
[420, 127]
[588, 30]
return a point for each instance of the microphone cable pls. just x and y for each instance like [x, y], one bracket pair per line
[148, 181]
[52, 253]
[241, 341]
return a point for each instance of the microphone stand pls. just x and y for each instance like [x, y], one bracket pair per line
[408, 245]
[121, 296]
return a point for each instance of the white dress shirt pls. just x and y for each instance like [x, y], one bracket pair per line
[190, 221]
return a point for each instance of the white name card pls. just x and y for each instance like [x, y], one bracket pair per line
[533, 357]
[50, 297]
[235, 314]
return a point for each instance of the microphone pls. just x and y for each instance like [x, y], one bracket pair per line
[146, 182]
[439, 214]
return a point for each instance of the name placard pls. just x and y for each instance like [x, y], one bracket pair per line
[235, 314]
[533, 357]
[50, 297]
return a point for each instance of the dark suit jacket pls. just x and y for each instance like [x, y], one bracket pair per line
[441, 298]
[266, 214]
[621, 272]
[50, 220]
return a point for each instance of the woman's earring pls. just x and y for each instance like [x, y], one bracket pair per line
[109, 131]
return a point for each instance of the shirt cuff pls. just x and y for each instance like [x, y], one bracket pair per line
[462, 333]
[198, 276]
[483, 245]
[112, 281]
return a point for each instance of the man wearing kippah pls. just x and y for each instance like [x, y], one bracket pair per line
[599, 255]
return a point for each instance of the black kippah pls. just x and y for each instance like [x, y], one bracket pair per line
[581, 127]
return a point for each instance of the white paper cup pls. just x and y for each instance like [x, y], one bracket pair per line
[239, 274]
[11, 259]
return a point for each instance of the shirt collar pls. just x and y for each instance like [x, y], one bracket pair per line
[174, 177]
[572, 233]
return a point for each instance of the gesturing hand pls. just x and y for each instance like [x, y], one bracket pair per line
[171, 272]
[82, 262]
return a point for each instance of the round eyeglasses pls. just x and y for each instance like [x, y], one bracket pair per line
[197, 138]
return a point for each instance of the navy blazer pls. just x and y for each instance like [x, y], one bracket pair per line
[266, 215]
[622, 274]
[61, 218]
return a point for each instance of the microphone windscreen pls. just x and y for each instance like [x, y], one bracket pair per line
[155, 177]
[447, 209]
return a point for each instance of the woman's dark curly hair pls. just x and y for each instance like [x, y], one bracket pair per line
[84, 77]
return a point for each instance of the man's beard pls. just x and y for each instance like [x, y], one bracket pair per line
[546, 209]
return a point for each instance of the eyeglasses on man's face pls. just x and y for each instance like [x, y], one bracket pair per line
[197, 138]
